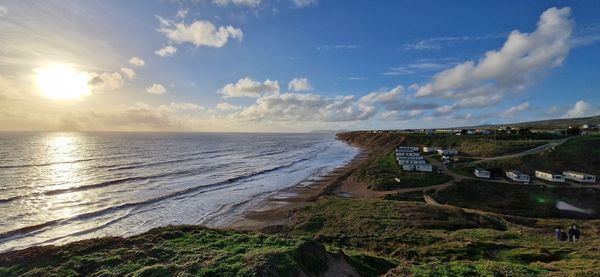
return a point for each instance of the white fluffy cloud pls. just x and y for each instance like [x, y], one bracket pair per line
[156, 89]
[182, 13]
[303, 3]
[247, 87]
[313, 107]
[304, 107]
[199, 33]
[522, 58]
[130, 73]
[247, 3]
[515, 110]
[166, 51]
[105, 81]
[224, 106]
[581, 109]
[137, 61]
[299, 84]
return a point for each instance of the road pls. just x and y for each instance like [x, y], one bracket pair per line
[541, 148]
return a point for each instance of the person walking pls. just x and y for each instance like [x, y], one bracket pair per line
[576, 233]
[571, 233]
[557, 233]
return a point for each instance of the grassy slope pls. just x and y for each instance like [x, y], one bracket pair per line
[422, 239]
[382, 172]
[578, 153]
[514, 199]
[183, 250]
[470, 145]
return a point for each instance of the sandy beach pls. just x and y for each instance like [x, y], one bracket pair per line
[278, 209]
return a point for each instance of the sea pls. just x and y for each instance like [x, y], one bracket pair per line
[58, 187]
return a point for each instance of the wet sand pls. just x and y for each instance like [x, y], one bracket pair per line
[278, 209]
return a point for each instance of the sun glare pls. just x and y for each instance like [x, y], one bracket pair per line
[62, 82]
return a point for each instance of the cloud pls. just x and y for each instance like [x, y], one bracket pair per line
[180, 106]
[587, 35]
[199, 33]
[105, 81]
[421, 45]
[303, 3]
[582, 109]
[299, 84]
[182, 13]
[304, 107]
[247, 87]
[8, 89]
[327, 47]
[393, 100]
[522, 59]
[137, 61]
[156, 89]
[3, 11]
[130, 73]
[166, 51]
[437, 43]
[247, 3]
[224, 106]
[413, 68]
[515, 110]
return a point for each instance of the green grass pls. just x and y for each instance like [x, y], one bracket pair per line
[169, 251]
[578, 154]
[514, 199]
[427, 240]
[381, 173]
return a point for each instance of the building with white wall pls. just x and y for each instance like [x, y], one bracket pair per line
[447, 152]
[431, 149]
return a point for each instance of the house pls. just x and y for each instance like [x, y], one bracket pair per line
[431, 149]
[517, 176]
[550, 176]
[408, 167]
[481, 173]
[579, 177]
[447, 152]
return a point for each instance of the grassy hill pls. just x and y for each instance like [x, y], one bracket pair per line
[578, 154]
[425, 240]
[178, 251]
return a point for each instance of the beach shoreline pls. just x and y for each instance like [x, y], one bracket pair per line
[278, 209]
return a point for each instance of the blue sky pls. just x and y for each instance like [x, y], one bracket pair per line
[355, 64]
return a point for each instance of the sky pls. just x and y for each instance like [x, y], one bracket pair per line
[294, 65]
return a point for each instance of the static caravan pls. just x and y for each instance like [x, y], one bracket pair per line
[549, 176]
[517, 176]
[424, 167]
[407, 154]
[481, 173]
[579, 177]
[407, 149]
[431, 149]
[447, 152]
[403, 162]
[410, 157]
[408, 167]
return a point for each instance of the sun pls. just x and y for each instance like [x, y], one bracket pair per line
[61, 81]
